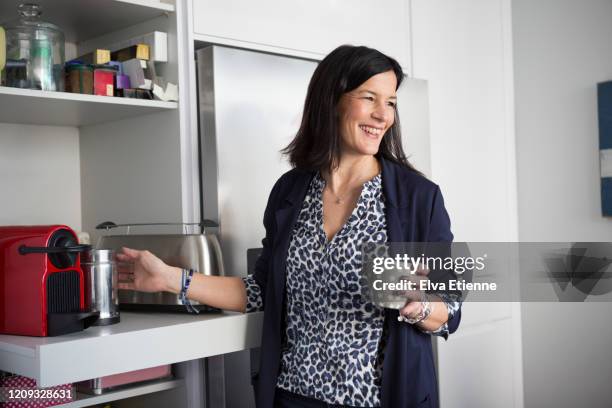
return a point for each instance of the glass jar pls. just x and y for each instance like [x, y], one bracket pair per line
[34, 51]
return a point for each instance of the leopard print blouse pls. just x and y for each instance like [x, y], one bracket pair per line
[334, 337]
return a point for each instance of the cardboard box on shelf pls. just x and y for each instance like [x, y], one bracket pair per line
[156, 40]
[135, 69]
[139, 51]
[98, 56]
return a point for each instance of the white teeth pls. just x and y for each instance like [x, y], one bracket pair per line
[371, 130]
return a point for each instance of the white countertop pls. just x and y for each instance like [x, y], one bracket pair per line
[140, 340]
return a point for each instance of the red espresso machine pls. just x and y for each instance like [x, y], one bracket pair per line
[41, 281]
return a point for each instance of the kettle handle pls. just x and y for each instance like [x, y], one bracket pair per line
[24, 249]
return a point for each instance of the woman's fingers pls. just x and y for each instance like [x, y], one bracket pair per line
[422, 271]
[125, 277]
[123, 257]
[412, 287]
[125, 262]
[413, 295]
[128, 254]
[411, 309]
[125, 268]
[130, 251]
[126, 285]
[140, 270]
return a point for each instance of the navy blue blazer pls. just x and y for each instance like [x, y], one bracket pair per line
[415, 213]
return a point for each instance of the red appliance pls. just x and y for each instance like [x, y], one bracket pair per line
[41, 281]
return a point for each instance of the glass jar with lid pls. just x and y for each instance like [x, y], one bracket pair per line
[34, 51]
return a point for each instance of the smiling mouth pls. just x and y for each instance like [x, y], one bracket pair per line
[371, 130]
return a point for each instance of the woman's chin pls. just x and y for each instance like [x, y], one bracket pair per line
[370, 150]
[366, 149]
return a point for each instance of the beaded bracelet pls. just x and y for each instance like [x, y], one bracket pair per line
[186, 277]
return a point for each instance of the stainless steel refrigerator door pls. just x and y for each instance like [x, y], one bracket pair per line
[250, 107]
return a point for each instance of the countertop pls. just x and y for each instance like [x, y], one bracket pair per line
[140, 340]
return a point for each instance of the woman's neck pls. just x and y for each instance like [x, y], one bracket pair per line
[352, 172]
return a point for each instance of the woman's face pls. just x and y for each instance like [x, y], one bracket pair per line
[366, 113]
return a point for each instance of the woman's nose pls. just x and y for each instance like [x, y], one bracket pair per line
[382, 113]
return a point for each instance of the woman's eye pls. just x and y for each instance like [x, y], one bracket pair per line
[392, 104]
[369, 98]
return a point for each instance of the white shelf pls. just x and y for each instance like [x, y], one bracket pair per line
[140, 340]
[85, 400]
[82, 20]
[26, 106]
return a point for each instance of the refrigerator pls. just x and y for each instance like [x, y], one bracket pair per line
[250, 106]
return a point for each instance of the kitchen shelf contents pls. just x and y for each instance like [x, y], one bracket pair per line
[33, 107]
[35, 49]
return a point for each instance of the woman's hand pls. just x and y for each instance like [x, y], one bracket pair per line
[147, 273]
[415, 305]
[414, 302]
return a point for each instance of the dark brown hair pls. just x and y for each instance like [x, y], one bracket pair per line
[316, 146]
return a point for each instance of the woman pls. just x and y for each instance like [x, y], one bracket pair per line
[323, 342]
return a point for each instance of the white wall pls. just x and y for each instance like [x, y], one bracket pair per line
[464, 50]
[130, 172]
[561, 50]
[127, 171]
[39, 175]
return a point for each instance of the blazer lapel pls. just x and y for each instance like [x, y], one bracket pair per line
[286, 216]
[397, 220]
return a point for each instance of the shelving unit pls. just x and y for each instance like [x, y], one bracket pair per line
[81, 21]
[142, 128]
[32, 107]
[85, 400]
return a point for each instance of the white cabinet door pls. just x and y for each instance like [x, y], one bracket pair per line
[312, 26]
[464, 51]
[475, 369]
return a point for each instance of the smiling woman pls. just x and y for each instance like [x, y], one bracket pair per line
[324, 342]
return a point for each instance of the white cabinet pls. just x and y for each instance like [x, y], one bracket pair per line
[464, 50]
[309, 28]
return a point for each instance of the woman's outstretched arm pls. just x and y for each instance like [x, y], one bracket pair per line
[151, 274]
